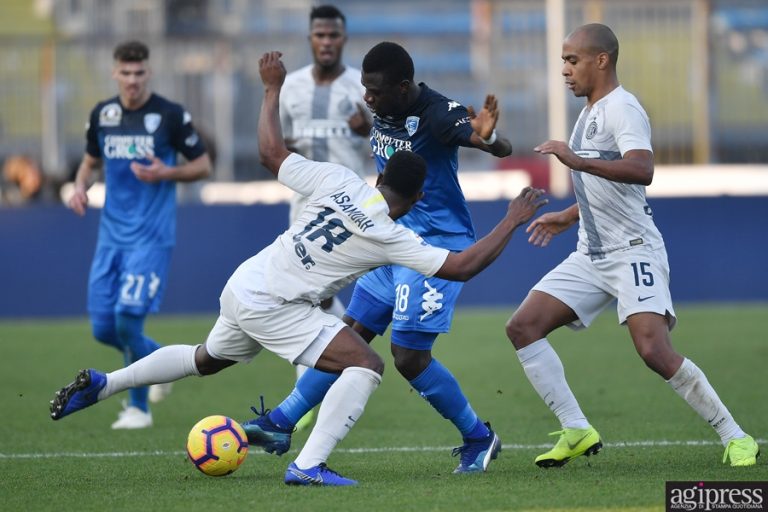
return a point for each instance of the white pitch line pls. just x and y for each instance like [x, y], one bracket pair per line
[617, 444]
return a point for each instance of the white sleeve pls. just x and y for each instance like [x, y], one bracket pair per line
[408, 249]
[306, 176]
[630, 127]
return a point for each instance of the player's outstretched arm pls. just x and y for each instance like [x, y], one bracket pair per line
[466, 264]
[635, 167]
[484, 125]
[272, 150]
[550, 224]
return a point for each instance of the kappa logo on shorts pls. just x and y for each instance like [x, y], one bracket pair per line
[431, 303]
[154, 285]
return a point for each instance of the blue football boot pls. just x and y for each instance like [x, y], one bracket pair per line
[317, 475]
[263, 432]
[477, 454]
[79, 394]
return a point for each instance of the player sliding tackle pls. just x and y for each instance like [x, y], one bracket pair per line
[272, 299]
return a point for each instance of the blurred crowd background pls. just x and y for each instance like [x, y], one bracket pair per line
[700, 68]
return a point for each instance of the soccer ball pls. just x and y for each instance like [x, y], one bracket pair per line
[217, 445]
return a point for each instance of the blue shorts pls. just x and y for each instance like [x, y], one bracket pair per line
[130, 281]
[407, 299]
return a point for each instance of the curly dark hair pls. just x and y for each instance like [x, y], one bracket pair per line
[391, 60]
[131, 51]
[405, 173]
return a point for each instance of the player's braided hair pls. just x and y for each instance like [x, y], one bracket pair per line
[405, 173]
[131, 51]
[326, 12]
[391, 60]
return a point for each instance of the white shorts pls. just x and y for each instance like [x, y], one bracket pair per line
[295, 331]
[637, 276]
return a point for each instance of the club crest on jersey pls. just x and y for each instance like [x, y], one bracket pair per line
[151, 122]
[411, 125]
[110, 115]
[591, 129]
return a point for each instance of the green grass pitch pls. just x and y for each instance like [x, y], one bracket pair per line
[400, 449]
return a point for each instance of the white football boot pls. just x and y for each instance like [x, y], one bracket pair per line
[159, 392]
[132, 418]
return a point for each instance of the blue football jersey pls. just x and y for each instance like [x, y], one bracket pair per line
[434, 128]
[138, 214]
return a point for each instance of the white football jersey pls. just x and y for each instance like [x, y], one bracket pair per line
[315, 117]
[344, 232]
[612, 215]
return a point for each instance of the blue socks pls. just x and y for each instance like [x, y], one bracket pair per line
[309, 391]
[129, 331]
[440, 388]
[436, 384]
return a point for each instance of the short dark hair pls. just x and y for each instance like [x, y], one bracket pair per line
[404, 173]
[326, 12]
[602, 40]
[391, 60]
[131, 51]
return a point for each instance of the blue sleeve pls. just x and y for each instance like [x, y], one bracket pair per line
[184, 138]
[450, 123]
[92, 134]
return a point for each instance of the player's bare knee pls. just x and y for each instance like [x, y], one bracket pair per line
[519, 332]
[373, 362]
[411, 363]
[651, 355]
[207, 365]
[512, 330]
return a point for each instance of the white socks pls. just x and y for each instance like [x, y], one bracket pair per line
[341, 408]
[166, 364]
[545, 372]
[690, 383]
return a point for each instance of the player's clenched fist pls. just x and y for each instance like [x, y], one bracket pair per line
[271, 69]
